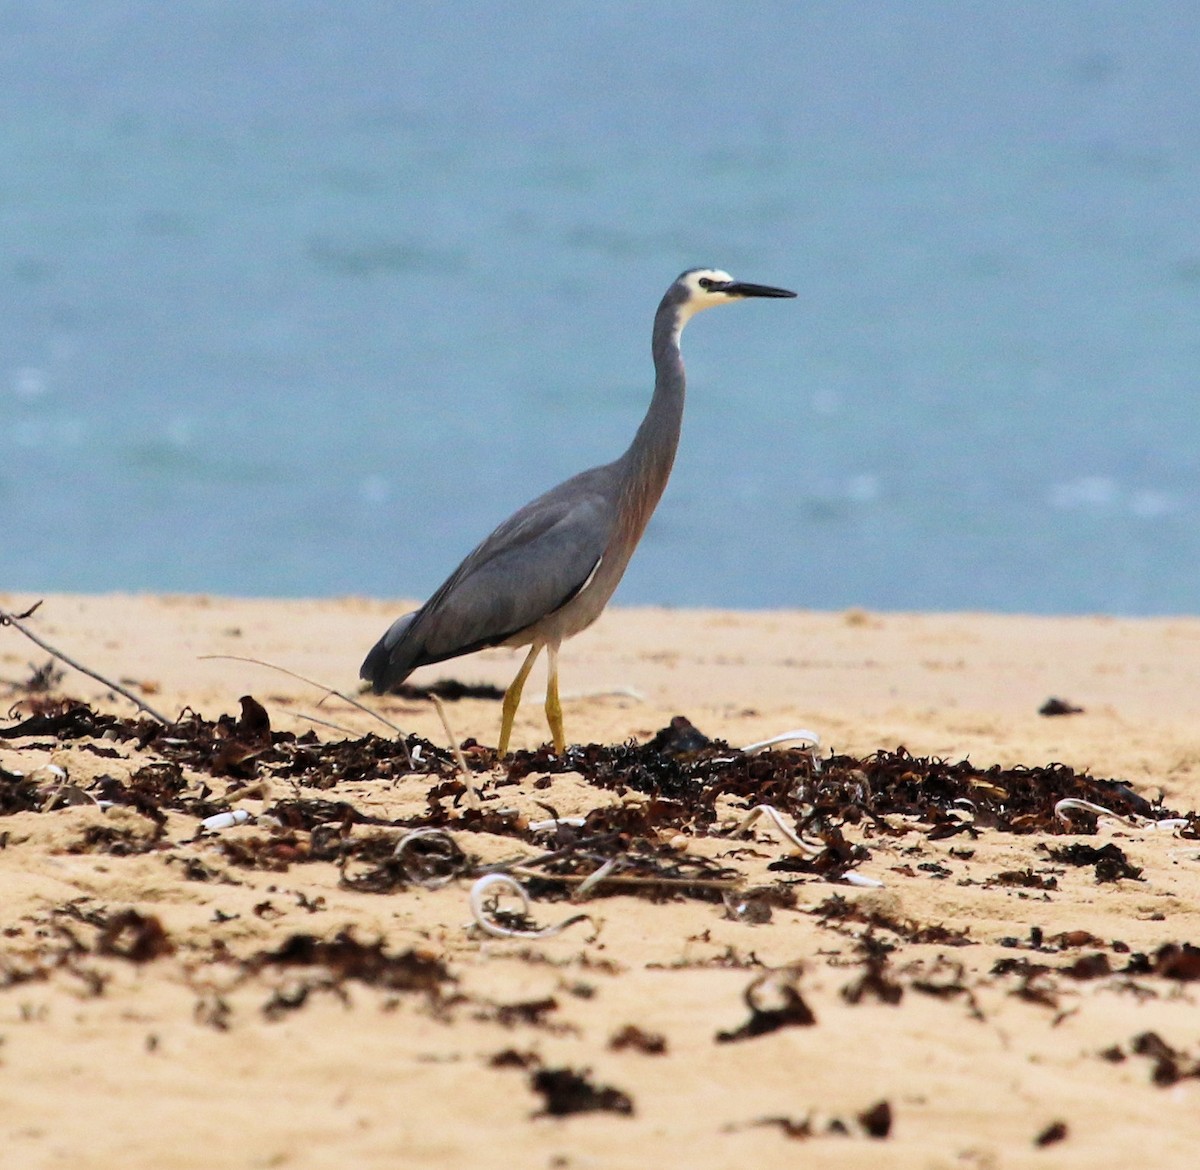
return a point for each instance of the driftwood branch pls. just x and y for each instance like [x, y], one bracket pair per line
[16, 619]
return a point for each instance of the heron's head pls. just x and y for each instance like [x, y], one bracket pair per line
[702, 288]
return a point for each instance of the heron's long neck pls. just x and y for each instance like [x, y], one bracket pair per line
[652, 452]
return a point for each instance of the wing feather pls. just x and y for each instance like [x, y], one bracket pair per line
[529, 567]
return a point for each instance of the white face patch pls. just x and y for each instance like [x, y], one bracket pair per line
[701, 297]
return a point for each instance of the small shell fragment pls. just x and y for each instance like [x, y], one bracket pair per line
[224, 820]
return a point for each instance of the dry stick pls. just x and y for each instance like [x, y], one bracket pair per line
[459, 758]
[624, 879]
[14, 620]
[322, 687]
[327, 723]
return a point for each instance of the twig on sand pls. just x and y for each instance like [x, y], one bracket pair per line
[15, 620]
[327, 723]
[459, 758]
[321, 686]
[637, 881]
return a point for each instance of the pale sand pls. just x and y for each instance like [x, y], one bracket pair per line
[134, 1077]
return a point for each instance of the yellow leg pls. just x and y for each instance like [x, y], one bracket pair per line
[512, 699]
[553, 706]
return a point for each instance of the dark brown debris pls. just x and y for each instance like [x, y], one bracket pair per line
[1179, 961]
[1056, 1131]
[791, 1012]
[876, 980]
[512, 1058]
[213, 1011]
[877, 1121]
[683, 773]
[1070, 939]
[631, 1036]
[133, 936]
[836, 909]
[286, 999]
[1023, 877]
[944, 979]
[1110, 860]
[42, 679]
[797, 1130]
[874, 1122]
[62, 719]
[1170, 1065]
[680, 737]
[18, 794]
[531, 1012]
[565, 1091]
[344, 957]
[1056, 706]
[1093, 966]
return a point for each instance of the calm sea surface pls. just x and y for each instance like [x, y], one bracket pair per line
[303, 297]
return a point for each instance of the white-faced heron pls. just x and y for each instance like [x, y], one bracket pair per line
[548, 571]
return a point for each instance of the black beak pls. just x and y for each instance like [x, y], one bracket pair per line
[739, 288]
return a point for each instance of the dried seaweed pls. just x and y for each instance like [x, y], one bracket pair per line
[791, 1012]
[42, 679]
[1023, 877]
[1056, 1131]
[836, 909]
[841, 789]
[633, 1037]
[64, 719]
[134, 936]
[511, 1058]
[1170, 1064]
[1093, 966]
[1110, 860]
[1179, 961]
[18, 794]
[1056, 706]
[344, 957]
[877, 1120]
[683, 772]
[565, 1091]
[531, 1012]
[876, 980]
[636, 865]
[115, 840]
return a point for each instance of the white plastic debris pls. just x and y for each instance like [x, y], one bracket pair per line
[799, 735]
[224, 820]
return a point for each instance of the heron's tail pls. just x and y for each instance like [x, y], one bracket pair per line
[387, 665]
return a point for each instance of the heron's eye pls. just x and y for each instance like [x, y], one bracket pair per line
[705, 282]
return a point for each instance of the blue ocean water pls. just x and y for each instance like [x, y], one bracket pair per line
[303, 297]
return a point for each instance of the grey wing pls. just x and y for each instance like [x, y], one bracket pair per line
[528, 568]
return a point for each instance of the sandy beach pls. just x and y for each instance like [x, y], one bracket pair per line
[973, 996]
